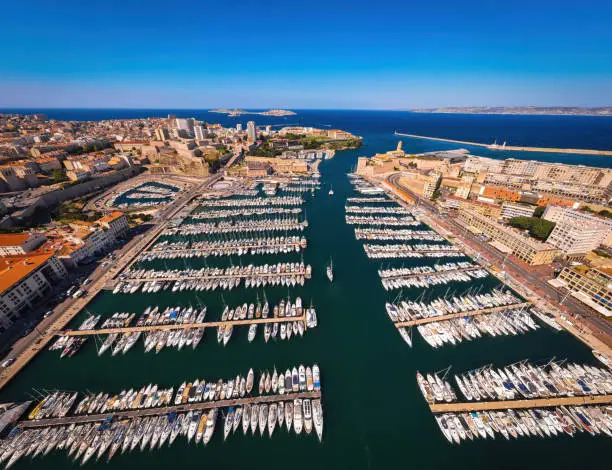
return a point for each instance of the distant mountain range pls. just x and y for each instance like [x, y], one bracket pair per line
[550, 110]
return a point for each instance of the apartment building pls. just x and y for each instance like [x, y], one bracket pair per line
[487, 209]
[523, 247]
[116, 224]
[577, 174]
[561, 215]
[591, 286]
[15, 244]
[25, 279]
[432, 183]
[510, 210]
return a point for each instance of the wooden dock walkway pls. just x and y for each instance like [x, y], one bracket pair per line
[183, 408]
[424, 275]
[212, 277]
[518, 404]
[189, 251]
[180, 326]
[450, 316]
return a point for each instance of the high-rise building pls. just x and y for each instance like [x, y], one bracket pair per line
[185, 126]
[251, 131]
[432, 184]
[239, 127]
[198, 132]
[561, 215]
[161, 133]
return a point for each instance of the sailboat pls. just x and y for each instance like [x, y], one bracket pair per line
[330, 271]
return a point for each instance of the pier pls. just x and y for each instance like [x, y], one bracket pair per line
[450, 316]
[189, 251]
[434, 273]
[212, 277]
[520, 404]
[512, 148]
[179, 326]
[185, 407]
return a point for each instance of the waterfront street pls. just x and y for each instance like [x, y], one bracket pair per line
[591, 328]
[25, 349]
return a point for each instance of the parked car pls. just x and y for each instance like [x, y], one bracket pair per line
[8, 362]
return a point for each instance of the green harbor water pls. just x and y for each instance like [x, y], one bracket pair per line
[375, 416]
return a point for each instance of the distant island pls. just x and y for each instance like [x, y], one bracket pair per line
[534, 110]
[238, 112]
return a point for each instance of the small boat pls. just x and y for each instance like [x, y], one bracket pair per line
[297, 416]
[249, 381]
[210, 425]
[330, 271]
[252, 332]
[317, 417]
[307, 416]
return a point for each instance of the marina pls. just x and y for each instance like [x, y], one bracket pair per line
[554, 398]
[245, 246]
[354, 344]
[149, 417]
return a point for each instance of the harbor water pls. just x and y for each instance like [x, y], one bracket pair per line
[375, 415]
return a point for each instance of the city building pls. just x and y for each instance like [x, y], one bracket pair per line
[559, 214]
[484, 208]
[185, 126]
[199, 133]
[15, 244]
[510, 210]
[432, 184]
[577, 238]
[251, 131]
[258, 169]
[465, 187]
[577, 182]
[592, 287]
[25, 279]
[523, 247]
[239, 127]
[116, 224]
[161, 133]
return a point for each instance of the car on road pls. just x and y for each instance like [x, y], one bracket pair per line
[48, 314]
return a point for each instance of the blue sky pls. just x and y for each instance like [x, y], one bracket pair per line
[317, 54]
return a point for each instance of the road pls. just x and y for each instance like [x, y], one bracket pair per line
[517, 270]
[27, 348]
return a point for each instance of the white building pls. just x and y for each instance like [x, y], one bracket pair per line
[239, 127]
[557, 214]
[199, 132]
[25, 279]
[251, 131]
[510, 210]
[577, 238]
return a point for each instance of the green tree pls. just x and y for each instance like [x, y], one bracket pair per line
[539, 211]
[538, 228]
[59, 175]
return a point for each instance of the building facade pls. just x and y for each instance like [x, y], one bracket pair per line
[527, 249]
[510, 210]
[25, 279]
[12, 244]
[590, 286]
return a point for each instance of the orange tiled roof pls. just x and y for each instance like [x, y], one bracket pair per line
[13, 239]
[14, 268]
[110, 217]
